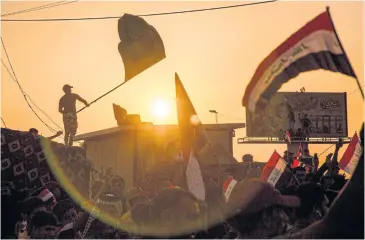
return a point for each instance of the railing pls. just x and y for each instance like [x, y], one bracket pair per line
[275, 140]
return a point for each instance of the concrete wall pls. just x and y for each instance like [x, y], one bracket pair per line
[131, 158]
[114, 152]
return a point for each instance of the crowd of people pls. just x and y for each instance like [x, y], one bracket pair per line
[317, 202]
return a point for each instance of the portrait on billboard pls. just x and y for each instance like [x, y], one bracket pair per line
[304, 114]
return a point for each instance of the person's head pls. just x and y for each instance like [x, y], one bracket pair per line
[175, 212]
[285, 153]
[30, 205]
[67, 88]
[257, 209]
[117, 187]
[34, 132]
[43, 225]
[65, 211]
[247, 158]
[314, 203]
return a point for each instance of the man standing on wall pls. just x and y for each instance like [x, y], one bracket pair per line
[67, 106]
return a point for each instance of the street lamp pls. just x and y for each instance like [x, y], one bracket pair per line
[216, 115]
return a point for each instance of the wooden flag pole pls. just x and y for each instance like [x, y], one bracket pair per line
[344, 52]
[103, 95]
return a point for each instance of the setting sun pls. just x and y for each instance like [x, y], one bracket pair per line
[160, 108]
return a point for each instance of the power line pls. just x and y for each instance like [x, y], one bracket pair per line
[3, 122]
[52, 5]
[11, 66]
[141, 15]
[30, 99]
[31, 9]
[26, 95]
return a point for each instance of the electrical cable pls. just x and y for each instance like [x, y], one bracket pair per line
[30, 99]
[29, 9]
[3, 122]
[11, 66]
[50, 5]
[326, 149]
[24, 93]
[141, 15]
[163, 13]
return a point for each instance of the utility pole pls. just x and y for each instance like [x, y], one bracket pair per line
[216, 115]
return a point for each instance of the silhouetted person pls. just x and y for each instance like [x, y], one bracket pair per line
[299, 134]
[291, 117]
[306, 123]
[67, 106]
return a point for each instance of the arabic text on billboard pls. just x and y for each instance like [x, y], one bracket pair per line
[304, 114]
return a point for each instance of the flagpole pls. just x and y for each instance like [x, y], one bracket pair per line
[344, 52]
[291, 170]
[103, 95]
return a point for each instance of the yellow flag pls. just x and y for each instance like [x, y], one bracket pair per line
[141, 46]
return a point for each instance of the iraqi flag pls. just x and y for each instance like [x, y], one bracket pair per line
[351, 156]
[314, 46]
[46, 195]
[193, 139]
[140, 47]
[228, 186]
[297, 157]
[287, 137]
[276, 171]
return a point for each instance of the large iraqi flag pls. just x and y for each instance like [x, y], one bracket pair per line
[314, 46]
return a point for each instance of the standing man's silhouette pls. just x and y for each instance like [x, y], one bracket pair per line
[67, 106]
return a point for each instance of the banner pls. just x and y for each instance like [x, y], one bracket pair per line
[306, 114]
[24, 164]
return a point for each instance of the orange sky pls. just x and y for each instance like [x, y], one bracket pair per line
[215, 54]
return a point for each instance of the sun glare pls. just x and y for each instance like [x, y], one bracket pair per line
[160, 108]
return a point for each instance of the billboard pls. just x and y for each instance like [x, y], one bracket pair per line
[304, 114]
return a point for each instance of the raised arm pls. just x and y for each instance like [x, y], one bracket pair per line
[82, 100]
[334, 162]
